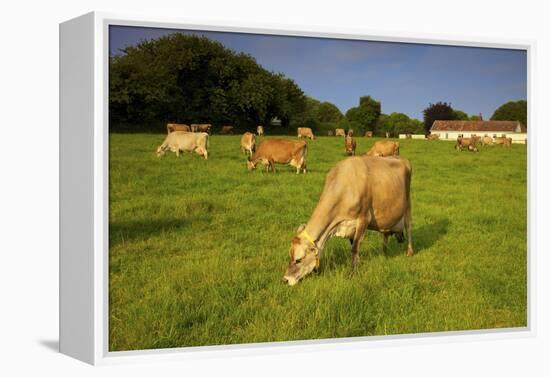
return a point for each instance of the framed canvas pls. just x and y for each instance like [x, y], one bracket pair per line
[228, 189]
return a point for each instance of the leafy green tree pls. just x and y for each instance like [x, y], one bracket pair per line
[366, 115]
[398, 123]
[191, 79]
[437, 111]
[512, 111]
[328, 112]
[475, 117]
[460, 115]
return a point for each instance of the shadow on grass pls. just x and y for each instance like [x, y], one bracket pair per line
[423, 238]
[129, 231]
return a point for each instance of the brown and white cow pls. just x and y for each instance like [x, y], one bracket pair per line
[171, 127]
[384, 148]
[279, 151]
[305, 132]
[260, 130]
[340, 132]
[350, 145]
[360, 193]
[226, 130]
[181, 141]
[248, 143]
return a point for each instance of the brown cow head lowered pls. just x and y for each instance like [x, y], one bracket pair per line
[250, 165]
[304, 258]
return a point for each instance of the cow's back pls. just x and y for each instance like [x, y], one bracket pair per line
[280, 150]
[373, 186]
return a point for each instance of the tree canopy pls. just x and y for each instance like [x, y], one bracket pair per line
[437, 111]
[364, 116]
[512, 111]
[191, 79]
[399, 123]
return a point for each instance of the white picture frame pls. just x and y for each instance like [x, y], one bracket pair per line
[84, 193]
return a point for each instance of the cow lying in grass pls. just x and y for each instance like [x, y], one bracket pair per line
[360, 193]
[278, 151]
[181, 141]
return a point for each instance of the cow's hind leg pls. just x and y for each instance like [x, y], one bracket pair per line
[408, 228]
[385, 237]
[357, 238]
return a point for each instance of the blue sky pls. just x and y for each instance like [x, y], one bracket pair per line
[405, 77]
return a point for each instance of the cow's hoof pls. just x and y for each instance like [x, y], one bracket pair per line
[409, 253]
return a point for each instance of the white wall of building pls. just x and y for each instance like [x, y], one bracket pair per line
[518, 138]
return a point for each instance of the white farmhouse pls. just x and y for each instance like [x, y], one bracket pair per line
[450, 129]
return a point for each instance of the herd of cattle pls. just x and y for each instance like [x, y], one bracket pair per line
[367, 192]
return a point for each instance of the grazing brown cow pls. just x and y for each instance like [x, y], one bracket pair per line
[171, 127]
[487, 140]
[272, 151]
[340, 132]
[226, 130]
[360, 193]
[466, 143]
[350, 145]
[506, 141]
[248, 143]
[305, 132]
[181, 141]
[368, 134]
[433, 137]
[384, 148]
[260, 130]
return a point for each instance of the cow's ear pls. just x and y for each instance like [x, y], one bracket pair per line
[300, 228]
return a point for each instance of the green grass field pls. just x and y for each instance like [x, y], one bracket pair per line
[198, 248]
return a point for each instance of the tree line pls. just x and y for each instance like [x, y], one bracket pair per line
[191, 79]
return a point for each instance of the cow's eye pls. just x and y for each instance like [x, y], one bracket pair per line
[298, 260]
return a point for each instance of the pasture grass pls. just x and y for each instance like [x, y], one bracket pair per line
[198, 248]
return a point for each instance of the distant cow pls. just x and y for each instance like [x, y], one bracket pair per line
[260, 130]
[487, 140]
[226, 130]
[340, 132]
[408, 136]
[248, 143]
[384, 148]
[330, 133]
[433, 137]
[368, 134]
[201, 128]
[272, 151]
[466, 143]
[360, 193]
[305, 132]
[171, 127]
[350, 145]
[350, 132]
[506, 141]
[181, 141]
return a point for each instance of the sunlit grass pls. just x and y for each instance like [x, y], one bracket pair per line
[198, 248]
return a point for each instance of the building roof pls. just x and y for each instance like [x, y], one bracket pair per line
[478, 126]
